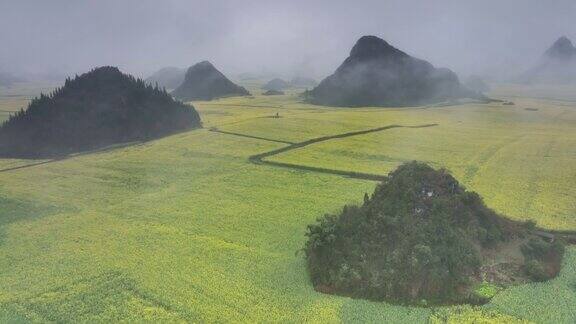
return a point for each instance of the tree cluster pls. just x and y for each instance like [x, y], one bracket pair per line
[420, 236]
[96, 109]
[204, 82]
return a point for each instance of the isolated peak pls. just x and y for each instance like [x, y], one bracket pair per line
[378, 74]
[562, 49]
[204, 64]
[563, 41]
[204, 82]
[105, 70]
[368, 47]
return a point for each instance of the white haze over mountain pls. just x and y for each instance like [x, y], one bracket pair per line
[285, 38]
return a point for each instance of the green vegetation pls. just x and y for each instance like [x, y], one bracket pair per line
[98, 108]
[203, 81]
[486, 290]
[419, 238]
[378, 74]
[537, 252]
[469, 315]
[520, 162]
[186, 228]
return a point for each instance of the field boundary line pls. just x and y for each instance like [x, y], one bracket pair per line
[216, 130]
[568, 235]
[347, 174]
[330, 137]
[75, 155]
[259, 158]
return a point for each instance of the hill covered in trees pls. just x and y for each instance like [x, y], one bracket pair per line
[168, 77]
[95, 109]
[204, 82]
[377, 74]
[421, 236]
[557, 64]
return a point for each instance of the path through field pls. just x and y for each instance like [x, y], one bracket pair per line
[201, 226]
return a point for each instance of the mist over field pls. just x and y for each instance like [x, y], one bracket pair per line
[289, 38]
[325, 161]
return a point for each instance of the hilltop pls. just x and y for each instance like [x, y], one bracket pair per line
[276, 85]
[96, 109]
[422, 236]
[204, 82]
[557, 64]
[378, 74]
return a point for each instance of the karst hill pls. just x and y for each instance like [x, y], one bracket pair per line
[93, 110]
[204, 82]
[422, 236]
[557, 65]
[276, 84]
[378, 74]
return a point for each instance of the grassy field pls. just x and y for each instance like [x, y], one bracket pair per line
[185, 228]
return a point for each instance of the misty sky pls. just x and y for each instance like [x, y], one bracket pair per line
[284, 37]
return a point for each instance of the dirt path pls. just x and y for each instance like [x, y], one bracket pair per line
[259, 158]
[568, 236]
[216, 130]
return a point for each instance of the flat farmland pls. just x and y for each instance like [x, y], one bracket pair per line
[188, 228]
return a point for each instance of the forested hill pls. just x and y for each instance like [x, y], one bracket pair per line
[204, 82]
[96, 109]
[378, 74]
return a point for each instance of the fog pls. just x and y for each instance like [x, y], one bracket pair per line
[284, 38]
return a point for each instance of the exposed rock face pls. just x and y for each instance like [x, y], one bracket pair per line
[204, 82]
[168, 77]
[276, 84]
[377, 74]
[557, 65]
[96, 109]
